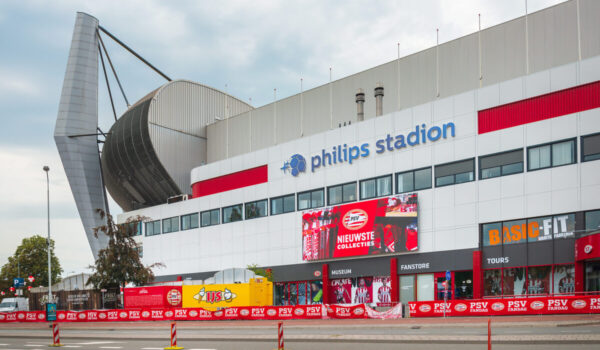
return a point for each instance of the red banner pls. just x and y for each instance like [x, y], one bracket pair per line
[193, 314]
[513, 307]
[152, 297]
[377, 226]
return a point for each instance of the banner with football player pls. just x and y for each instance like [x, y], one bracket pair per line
[378, 226]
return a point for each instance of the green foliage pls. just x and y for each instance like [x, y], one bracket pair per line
[268, 273]
[119, 263]
[32, 257]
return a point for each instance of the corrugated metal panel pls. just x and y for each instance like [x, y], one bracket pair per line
[238, 134]
[503, 51]
[262, 127]
[316, 110]
[553, 37]
[538, 108]
[459, 65]
[590, 27]
[217, 142]
[288, 125]
[417, 78]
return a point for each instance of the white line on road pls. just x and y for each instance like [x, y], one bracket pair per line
[152, 348]
[202, 349]
[98, 343]
[111, 347]
[71, 346]
[36, 345]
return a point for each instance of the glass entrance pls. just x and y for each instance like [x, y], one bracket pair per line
[592, 276]
[440, 279]
[298, 293]
[407, 289]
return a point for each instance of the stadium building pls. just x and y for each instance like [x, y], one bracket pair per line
[478, 157]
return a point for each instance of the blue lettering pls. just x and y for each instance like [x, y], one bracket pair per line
[380, 147]
[315, 162]
[399, 142]
[413, 135]
[446, 127]
[365, 150]
[353, 153]
[438, 133]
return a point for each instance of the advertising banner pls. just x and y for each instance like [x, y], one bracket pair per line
[385, 225]
[152, 297]
[512, 307]
[382, 292]
[346, 311]
[213, 296]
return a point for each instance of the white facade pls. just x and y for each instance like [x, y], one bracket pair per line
[449, 216]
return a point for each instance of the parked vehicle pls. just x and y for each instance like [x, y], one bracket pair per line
[14, 304]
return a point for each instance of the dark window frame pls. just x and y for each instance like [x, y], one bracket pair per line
[322, 189]
[434, 177]
[266, 213]
[480, 177]
[342, 186]
[241, 205]
[282, 204]
[190, 215]
[171, 222]
[153, 222]
[582, 137]
[413, 171]
[210, 211]
[377, 194]
[573, 139]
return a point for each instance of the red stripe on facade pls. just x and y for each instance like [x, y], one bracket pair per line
[555, 104]
[231, 181]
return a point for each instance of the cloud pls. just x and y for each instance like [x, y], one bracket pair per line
[18, 84]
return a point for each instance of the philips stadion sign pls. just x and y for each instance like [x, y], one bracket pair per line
[343, 153]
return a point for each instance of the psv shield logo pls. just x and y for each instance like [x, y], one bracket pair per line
[498, 306]
[460, 307]
[578, 304]
[537, 305]
[355, 219]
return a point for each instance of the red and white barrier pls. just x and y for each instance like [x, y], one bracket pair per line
[502, 307]
[173, 338]
[55, 335]
[280, 336]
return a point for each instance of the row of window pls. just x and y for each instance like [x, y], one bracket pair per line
[531, 280]
[506, 163]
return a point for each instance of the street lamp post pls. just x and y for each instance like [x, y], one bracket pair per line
[47, 169]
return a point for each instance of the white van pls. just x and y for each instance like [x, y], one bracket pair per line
[14, 304]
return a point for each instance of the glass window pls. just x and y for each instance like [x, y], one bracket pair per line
[256, 209]
[551, 155]
[133, 228]
[455, 172]
[513, 281]
[463, 284]
[592, 276]
[153, 228]
[232, 213]
[170, 224]
[538, 280]
[590, 147]
[539, 229]
[492, 283]
[563, 226]
[407, 289]
[492, 234]
[564, 279]
[413, 180]
[501, 164]
[209, 217]
[189, 221]
[334, 195]
[349, 192]
[311, 199]
[514, 231]
[377, 187]
[285, 204]
[316, 292]
[425, 290]
[592, 220]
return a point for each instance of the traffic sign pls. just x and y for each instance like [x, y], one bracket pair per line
[50, 312]
[448, 275]
[31, 278]
[18, 282]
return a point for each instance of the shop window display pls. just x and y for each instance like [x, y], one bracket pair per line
[564, 279]
[298, 293]
[463, 285]
[513, 281]
[492, 282]
[538, 280]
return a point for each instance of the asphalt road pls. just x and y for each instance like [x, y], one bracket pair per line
[100, 344]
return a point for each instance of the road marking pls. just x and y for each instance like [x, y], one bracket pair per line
[111, 347]
[71, 346]
[202, 349]
[33, 345]
[152, 348]
[98, 343]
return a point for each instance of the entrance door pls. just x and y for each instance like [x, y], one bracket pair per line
[440, 278]
[592, 276]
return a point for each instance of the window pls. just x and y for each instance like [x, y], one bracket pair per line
[209, 217]
[492, 282]
[455, 172]
[171, 224]
[376, 187]
[232, 213]
[551, 155]
[341, 193]
[513, 281]
[284, 204]
[529, 230]
[590, 147]
[538, 279]
[140, 250]
[189, 221]
[413, 180]
[133, 228]
[153, 228]
[425, 287]
[592, 220]
[563, 279]
[256, 209]
[501, 164]
[311, 199]
[463, 281]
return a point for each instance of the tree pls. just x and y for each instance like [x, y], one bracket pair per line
[268, 273]
[119, 263]
[31, 259]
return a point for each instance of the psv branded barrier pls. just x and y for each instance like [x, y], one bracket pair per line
[507, 307]
[195, 314]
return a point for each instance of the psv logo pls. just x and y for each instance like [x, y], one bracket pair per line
[537, 305]
[578, 304]
[425, 308]
[588, 248]
[498, 306]
[358, 311]
[174, 297]
[460, 307]
[355, 219]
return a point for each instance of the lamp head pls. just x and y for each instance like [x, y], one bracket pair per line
[46, 168]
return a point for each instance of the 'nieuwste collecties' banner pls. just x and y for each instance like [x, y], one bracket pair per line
[385, 225]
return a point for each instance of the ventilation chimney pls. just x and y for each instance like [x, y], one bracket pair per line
[378, 99]
[360, 105]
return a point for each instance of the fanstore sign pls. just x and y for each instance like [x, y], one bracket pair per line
[349, 154]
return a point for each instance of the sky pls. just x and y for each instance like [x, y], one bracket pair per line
[247, 48]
